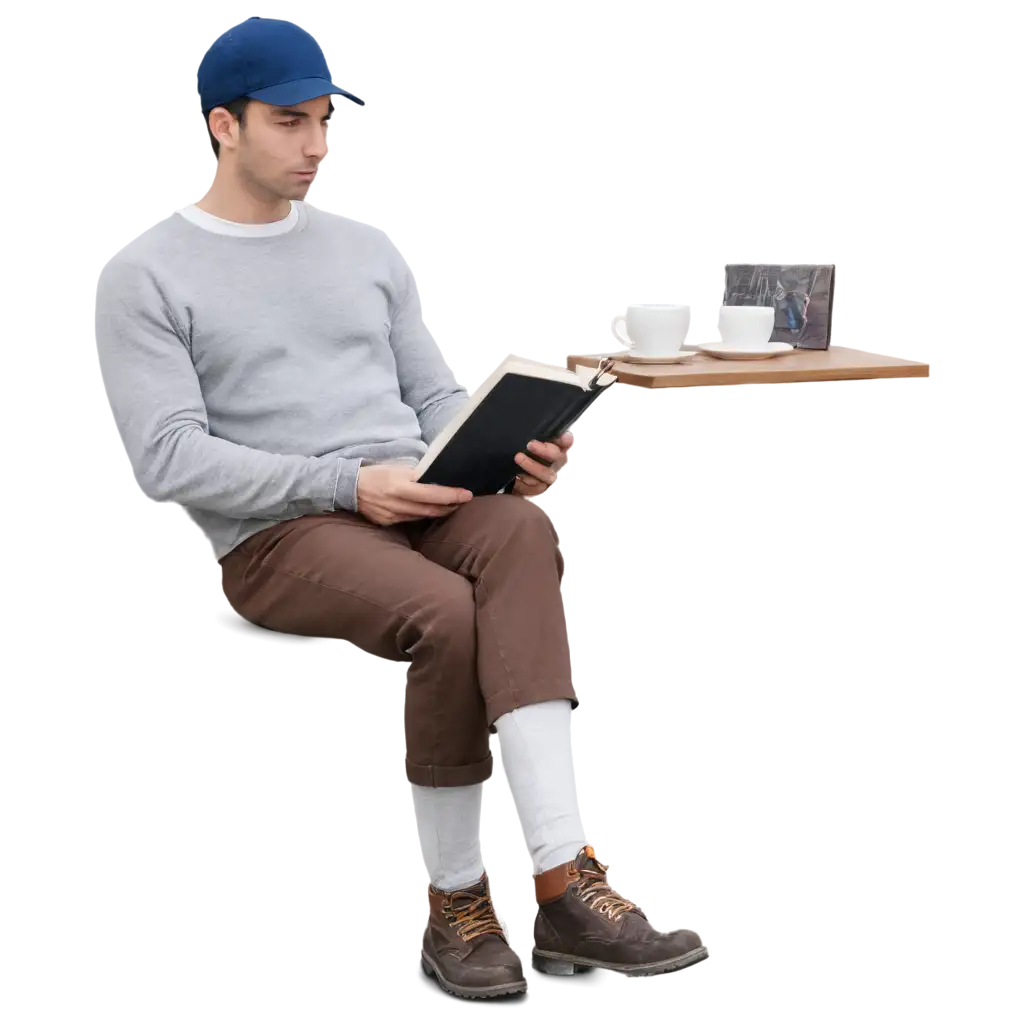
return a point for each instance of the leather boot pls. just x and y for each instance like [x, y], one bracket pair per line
[464, 945]
[582, 923]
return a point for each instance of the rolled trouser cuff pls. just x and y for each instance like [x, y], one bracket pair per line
[509, 700]
[449, 775]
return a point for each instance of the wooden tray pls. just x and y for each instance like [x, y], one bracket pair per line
[802, 364]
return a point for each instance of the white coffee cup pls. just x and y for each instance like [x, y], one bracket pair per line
[746, 327]
[654, 329]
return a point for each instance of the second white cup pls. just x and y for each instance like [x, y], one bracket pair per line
[746, 327]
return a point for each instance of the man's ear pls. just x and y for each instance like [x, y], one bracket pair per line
[223, 128]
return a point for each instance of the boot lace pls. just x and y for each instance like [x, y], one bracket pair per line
[594, 890]
[475, 918]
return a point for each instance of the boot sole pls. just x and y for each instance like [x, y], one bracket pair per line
[566, 963]
[508, 988]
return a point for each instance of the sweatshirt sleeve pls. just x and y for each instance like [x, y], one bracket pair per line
[154, 394]
[427, 383]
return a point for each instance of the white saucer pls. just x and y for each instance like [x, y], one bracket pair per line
[629, 356]
[720, 350]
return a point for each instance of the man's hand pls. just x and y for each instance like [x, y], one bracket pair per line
[536, 478]
[389, 494]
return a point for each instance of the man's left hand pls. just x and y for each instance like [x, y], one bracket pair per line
[534, 477]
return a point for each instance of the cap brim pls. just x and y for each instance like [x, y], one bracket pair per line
[289, 93]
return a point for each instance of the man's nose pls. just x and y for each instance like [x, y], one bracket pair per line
[316, 148]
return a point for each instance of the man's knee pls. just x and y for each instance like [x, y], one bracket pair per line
[514, 512]
[524, 530]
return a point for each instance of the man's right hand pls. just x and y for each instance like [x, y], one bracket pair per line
[389, 494]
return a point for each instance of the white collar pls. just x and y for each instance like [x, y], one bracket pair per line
[233, 227]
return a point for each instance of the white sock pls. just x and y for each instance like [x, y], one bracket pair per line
[448, 821]
[536, 753]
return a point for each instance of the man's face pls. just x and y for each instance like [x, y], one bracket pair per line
[279, 142]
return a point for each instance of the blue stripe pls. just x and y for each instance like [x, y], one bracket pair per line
[844, 52]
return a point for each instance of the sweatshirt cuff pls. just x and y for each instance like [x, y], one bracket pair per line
[345, 494]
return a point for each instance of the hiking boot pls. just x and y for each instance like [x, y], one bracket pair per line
[582, 923]
[464, 945]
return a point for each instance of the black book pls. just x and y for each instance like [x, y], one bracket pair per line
[523, 400]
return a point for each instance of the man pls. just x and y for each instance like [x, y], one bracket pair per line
[269, 369]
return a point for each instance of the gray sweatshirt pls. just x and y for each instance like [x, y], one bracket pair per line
[252, 368]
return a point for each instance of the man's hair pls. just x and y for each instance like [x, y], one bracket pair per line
[237, 110]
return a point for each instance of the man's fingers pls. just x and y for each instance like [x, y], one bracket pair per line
[534, 468]
[547, 450]
[404, 511]
[404, 507]
[434, 494]
[529, 483]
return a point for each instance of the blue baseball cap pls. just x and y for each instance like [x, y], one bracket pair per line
[270, 60]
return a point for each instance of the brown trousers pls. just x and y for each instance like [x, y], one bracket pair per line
[472, 600]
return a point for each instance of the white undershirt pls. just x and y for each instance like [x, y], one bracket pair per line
[234, 227]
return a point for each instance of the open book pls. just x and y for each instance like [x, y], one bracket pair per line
[523, 400]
